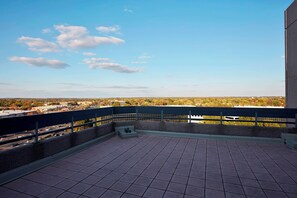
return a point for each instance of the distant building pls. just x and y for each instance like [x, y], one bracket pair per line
[231, 117]
[195, 118]
[120, 102]
[14, 113]
[48, 108]
[84, 103]
[178, 105]
[64, 103]
[278, 107]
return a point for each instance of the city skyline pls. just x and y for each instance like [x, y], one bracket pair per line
[142, 49]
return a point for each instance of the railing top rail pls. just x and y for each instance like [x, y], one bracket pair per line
[22, 123]
[216, 111]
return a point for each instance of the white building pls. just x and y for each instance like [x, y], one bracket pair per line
[195, 118]
[13, 113]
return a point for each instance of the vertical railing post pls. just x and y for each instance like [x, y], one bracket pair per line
[95, 120]
[295, 120]
[161, 115]
[36, 132]
[256, 119]
[72, 124]
[221, 118]
[112, 117]
[136, 114]
[190, 117]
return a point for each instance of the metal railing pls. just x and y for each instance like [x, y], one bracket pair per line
[32, 126]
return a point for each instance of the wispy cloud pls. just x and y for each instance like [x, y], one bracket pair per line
[38, 44]
[75, 85]
[4, 84]
[71, 84]
[77, 37]
[106, 63]
[143, 59]
[125, 87]
[128, 10]
[46, 30]
[109, 29]
[89, 54]
[40, 62]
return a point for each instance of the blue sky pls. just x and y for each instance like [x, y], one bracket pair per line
[168, 48]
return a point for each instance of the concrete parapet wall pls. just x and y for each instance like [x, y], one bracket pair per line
[212, 129]
[23, 155]
[127, 123]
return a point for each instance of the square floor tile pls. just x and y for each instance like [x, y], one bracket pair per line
[267, 185]
[274, 194]
[231, 180]
[210, 184]
[154, 193]
[120, 186]
[209, 193]
[195, 191]
[233, 195]
[164, 176]
[79, 188]
[233, 188]
[91, 180]
[66, 184]
[250, 182]
[68, 195]
[136, 190]
[51, 192]
[253, 192]
[144, 181]
[175, 187]
[106, 182]
[169, 194]
[196, 182]
[111, 194]
[94, 191]
[128, 178]
[159, 184]
[179, 179]
[5, 192]
[289, 188]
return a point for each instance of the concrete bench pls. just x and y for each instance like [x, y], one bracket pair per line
[126, 131]
[290, 139]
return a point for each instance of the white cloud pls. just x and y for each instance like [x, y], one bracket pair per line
[106, 63]
[128, 10]
[46, 30]
[86, 86]
[109, 29]
[40, 62]
[89, 54]
[143, 59]
[139, 62]
[4, 84]
[38, 44]
[77, 37]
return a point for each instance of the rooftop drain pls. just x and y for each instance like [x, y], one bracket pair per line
[126, 131]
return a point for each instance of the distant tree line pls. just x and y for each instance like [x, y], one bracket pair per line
[27, 104]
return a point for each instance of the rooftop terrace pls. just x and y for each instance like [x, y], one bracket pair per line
[157, 166]
[172, 157]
